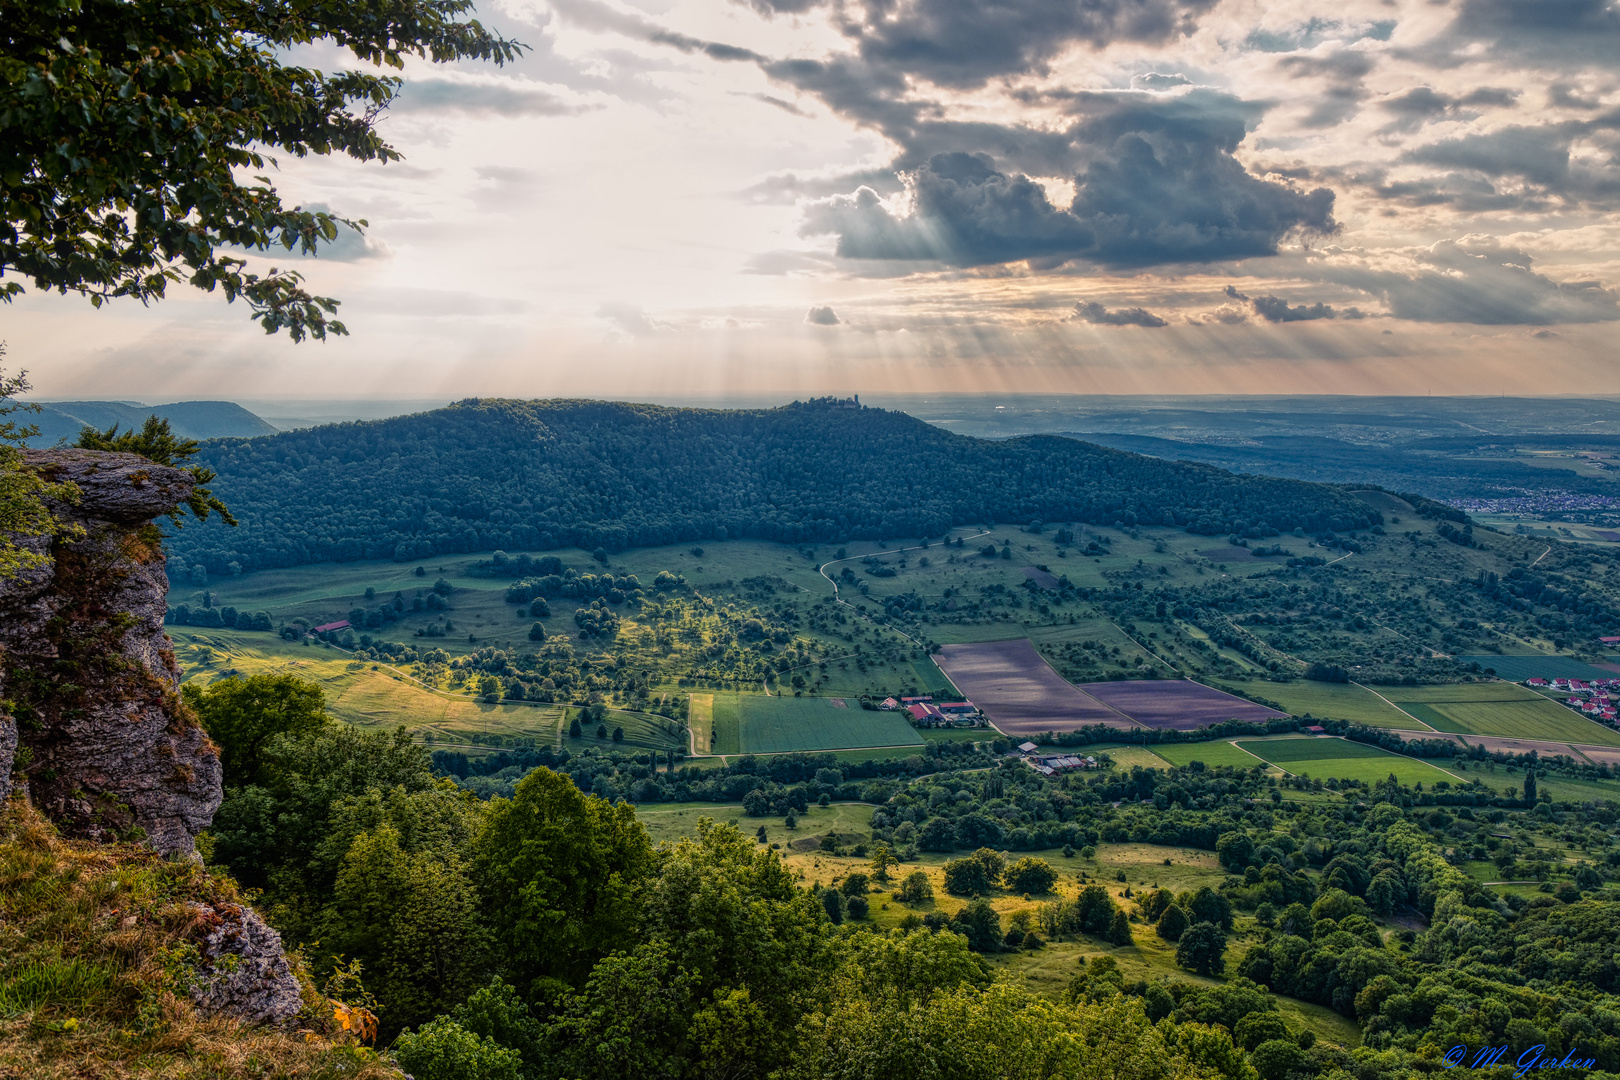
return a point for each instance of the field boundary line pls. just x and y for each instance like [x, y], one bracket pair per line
[1141, 646]
[1397, 708]
[1257, 757]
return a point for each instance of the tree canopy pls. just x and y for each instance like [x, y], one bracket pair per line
[526, 475]
[125, 126]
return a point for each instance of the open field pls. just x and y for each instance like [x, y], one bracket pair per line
[1519, 668]
[725, 724]
[1494, 690]
[775, 725]
[1223, 752]
[1336, 701]
[1537, 718]
[1283, 751]
[1019, 691]
[1178, 704]
[1365, 763]
[1127, 756]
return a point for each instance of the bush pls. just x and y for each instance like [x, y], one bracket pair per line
[444, 1050]
[1172, 924]
[1276, 1059]
[915, 889]
[1030, 875]
[1259, 1027]
[1202, 949]
[979, 923]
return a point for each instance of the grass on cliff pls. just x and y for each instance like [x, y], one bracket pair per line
[93, 947]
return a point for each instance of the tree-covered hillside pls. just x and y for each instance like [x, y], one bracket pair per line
[482, 475]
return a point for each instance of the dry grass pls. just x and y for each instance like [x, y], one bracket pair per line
[94, 947]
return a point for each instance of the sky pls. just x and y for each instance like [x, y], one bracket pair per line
[685, 197]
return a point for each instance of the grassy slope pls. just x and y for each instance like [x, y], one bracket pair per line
[88, 984]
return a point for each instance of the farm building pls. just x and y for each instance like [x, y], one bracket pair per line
[958, 708]
[888, 704]
[923, 699]
[341, 624]
[1028, 747]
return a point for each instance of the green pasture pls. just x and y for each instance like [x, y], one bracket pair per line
[1336, 701]
[1283, 751]
[1365, 763]
[673, 821]
[1495, 690]
[1127, 756]
[1210, 753]
[775, 725]
[1537, 718]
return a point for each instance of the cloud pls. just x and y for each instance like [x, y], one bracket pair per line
[1557, 33]
[1314, 31]
[1154, 80]
[1539, 161]
[490, 95]
[1225, 315]
[630, 319]
[599, 17]
[822, 316]
[963, 212]
[1476, 280]
[1345, 72]
[965, 43]
[1426, 105]
[1094, 312]
[1277, 310]
[1158, 183]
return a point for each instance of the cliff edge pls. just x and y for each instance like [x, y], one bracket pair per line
[91, 719]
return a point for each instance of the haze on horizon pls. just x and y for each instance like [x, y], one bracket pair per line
[670, 198]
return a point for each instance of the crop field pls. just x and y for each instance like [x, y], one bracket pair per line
[1533, 719]
[1222, 752]
[1019, 691]
[1519, 668]
[1178, 704]
[1127, 756]
[1494, 690]
[1283, 751]
[1365, 763]
[775, 725]
[1336, 701]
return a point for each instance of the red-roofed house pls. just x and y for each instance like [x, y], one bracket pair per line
[341, 624]
[888, 704]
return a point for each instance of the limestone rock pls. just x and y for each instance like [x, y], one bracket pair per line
[88, 670]
[244, 972]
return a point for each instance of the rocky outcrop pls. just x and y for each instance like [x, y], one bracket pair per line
[244, 972]
[101, 738]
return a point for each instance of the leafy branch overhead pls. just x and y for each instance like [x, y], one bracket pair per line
[123, 124]
[156, 442]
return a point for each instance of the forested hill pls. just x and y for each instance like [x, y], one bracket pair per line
[525, 475]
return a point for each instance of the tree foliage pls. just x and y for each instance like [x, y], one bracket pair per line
[156, 442]
[243, 715]
[525, 475]
[126, 127]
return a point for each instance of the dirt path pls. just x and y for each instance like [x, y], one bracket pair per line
[822, 570]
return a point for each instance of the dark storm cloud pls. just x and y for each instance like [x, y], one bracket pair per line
[1476, 280]
[1557, 33]
[1157, 183]
[964, 213]
[499, 97]
[1094, 312]
[965, 43]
